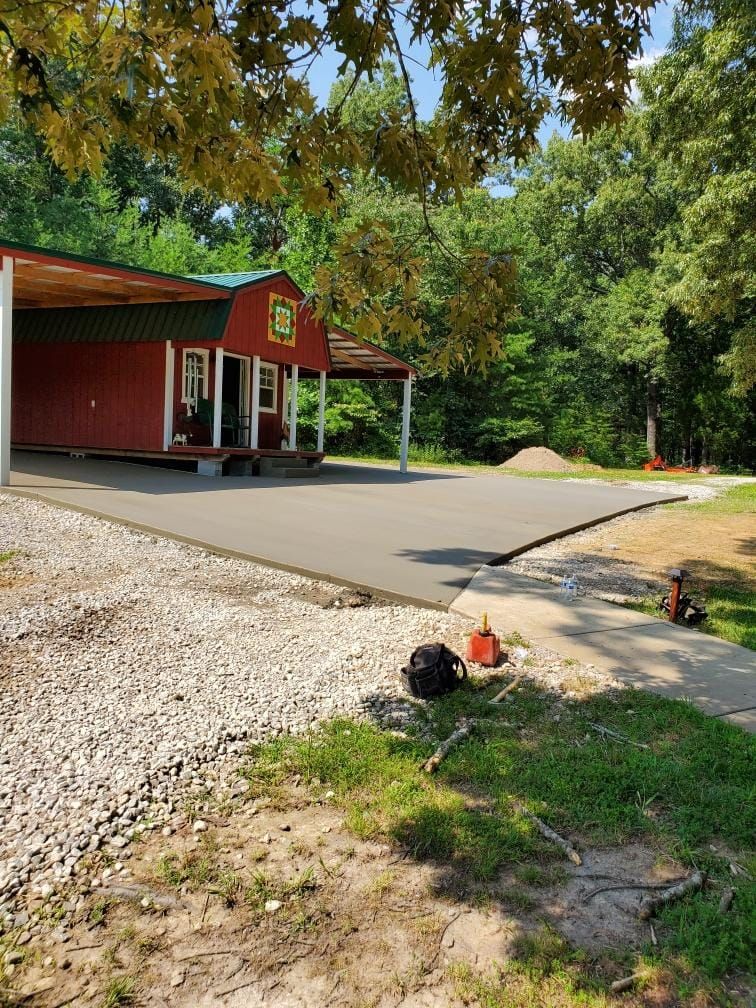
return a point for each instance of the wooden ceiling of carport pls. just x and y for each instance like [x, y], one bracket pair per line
[39, 284]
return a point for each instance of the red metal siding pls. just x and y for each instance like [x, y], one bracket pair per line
[54, 385]
[247, 329]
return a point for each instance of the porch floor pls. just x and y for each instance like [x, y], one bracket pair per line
[188, 453]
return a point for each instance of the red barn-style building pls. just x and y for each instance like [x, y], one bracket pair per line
[104, 359]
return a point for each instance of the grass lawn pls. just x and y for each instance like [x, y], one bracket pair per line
[483, 469]
[689, 795]
[726, 580]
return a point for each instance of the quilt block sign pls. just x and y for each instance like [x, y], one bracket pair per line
[282, 320]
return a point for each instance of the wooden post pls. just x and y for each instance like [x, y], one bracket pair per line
[293, 421]
[321, 411]
[6, 361]
[406, 409]
[170, 364]
[218, 398]
[254, 429]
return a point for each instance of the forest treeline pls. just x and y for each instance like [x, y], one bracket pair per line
[632, 329]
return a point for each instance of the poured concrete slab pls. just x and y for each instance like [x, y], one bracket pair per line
[419, 536]
[639, 650]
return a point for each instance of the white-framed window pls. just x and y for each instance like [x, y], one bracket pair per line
[194, 371]
[268, 387]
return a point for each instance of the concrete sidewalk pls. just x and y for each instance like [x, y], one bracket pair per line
[639, 650]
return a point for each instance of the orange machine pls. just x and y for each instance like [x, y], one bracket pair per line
[659, 465]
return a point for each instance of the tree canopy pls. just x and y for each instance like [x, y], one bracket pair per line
[220, 89]
[610, 300]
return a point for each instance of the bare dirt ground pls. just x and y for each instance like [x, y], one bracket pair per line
[351, 922]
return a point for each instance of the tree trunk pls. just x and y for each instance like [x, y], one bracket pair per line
[652, 416]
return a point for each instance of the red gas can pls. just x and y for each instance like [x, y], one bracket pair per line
[483, 647]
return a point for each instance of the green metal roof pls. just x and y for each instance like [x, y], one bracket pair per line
[194, 321]
[233, 280]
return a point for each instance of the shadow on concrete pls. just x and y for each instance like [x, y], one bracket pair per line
[111, 474]
[640, 650]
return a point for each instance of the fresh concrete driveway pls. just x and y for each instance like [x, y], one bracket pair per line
[419, 536]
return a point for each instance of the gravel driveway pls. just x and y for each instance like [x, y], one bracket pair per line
[127, 661]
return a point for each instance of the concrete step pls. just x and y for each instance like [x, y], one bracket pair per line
[269, 466]
[311, 472]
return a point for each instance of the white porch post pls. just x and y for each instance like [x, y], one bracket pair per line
[6, 360]
[293, 422]
[218, 398]
[170, 359]
[321, 411]
[406, 408]
[254, 421]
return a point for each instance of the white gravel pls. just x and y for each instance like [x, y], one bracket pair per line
[127, 661]
[589, 555]
[134, 669]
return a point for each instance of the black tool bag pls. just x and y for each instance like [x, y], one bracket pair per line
[433, 670]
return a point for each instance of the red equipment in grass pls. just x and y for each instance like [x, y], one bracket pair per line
[483, 647]
[659, 465]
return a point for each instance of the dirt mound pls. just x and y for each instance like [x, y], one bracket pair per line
[538, 460]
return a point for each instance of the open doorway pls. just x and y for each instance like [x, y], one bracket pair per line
[235, 393]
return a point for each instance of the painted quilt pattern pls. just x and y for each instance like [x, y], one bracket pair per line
[282, 320]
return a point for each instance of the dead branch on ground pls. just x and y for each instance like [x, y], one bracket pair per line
[550, 834]
[508, 689]
[650, 904]
[617, 736]
[625, 983]
[461, 732]
[726, 900]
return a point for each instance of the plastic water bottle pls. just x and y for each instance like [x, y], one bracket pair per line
[569, 588]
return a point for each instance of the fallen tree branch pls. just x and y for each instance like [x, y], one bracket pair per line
[549, 833]
[461, 732]
[507, 689]
[630, 885]
[726, 900]
[625, 983]
[617, 736]
[650, 904]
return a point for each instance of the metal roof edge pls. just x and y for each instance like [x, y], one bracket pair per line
[74, 257]
[372, 346]
[268, 275]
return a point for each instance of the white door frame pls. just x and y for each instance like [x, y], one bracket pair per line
[245, 389]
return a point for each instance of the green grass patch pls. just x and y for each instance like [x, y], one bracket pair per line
[193, 869]
[120, 991]
[692, 786]
[736, 500]
[434, 460]
[732, 613]
[7, 555]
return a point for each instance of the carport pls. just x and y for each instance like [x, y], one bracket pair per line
[354, 358]
[118, 361]
[38, 279]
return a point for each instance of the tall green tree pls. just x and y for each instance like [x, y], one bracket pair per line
[700, 100]
[220, 90]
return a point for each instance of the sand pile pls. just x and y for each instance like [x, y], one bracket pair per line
[538, 460]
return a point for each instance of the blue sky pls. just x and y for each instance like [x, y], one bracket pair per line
[427, 87]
